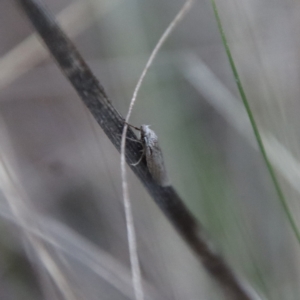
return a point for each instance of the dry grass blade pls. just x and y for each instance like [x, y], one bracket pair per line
[68, 242]
[13, 193]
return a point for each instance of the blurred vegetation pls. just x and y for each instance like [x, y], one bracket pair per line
[69, 172]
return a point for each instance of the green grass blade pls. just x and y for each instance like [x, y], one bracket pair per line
[271, 171]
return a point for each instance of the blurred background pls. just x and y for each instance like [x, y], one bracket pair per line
[62, 226]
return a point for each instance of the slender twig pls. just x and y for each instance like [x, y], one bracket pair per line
[22, 214]
[93, 95]
[135, 266]
[71, 244]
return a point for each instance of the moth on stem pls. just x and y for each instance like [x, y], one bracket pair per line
[153, 153]
[94, 97]
[148, 138]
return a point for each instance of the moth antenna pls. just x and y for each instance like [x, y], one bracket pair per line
[136, 128]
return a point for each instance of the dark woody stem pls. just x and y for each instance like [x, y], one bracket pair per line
[94, 97]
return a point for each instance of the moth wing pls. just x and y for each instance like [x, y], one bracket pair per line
[156, 165]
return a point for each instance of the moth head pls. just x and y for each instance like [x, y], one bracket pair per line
[145, 128]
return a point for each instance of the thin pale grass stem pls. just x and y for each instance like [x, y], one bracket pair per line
[52, 268]
[131, 235]
[23, 214]
[256, 131]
